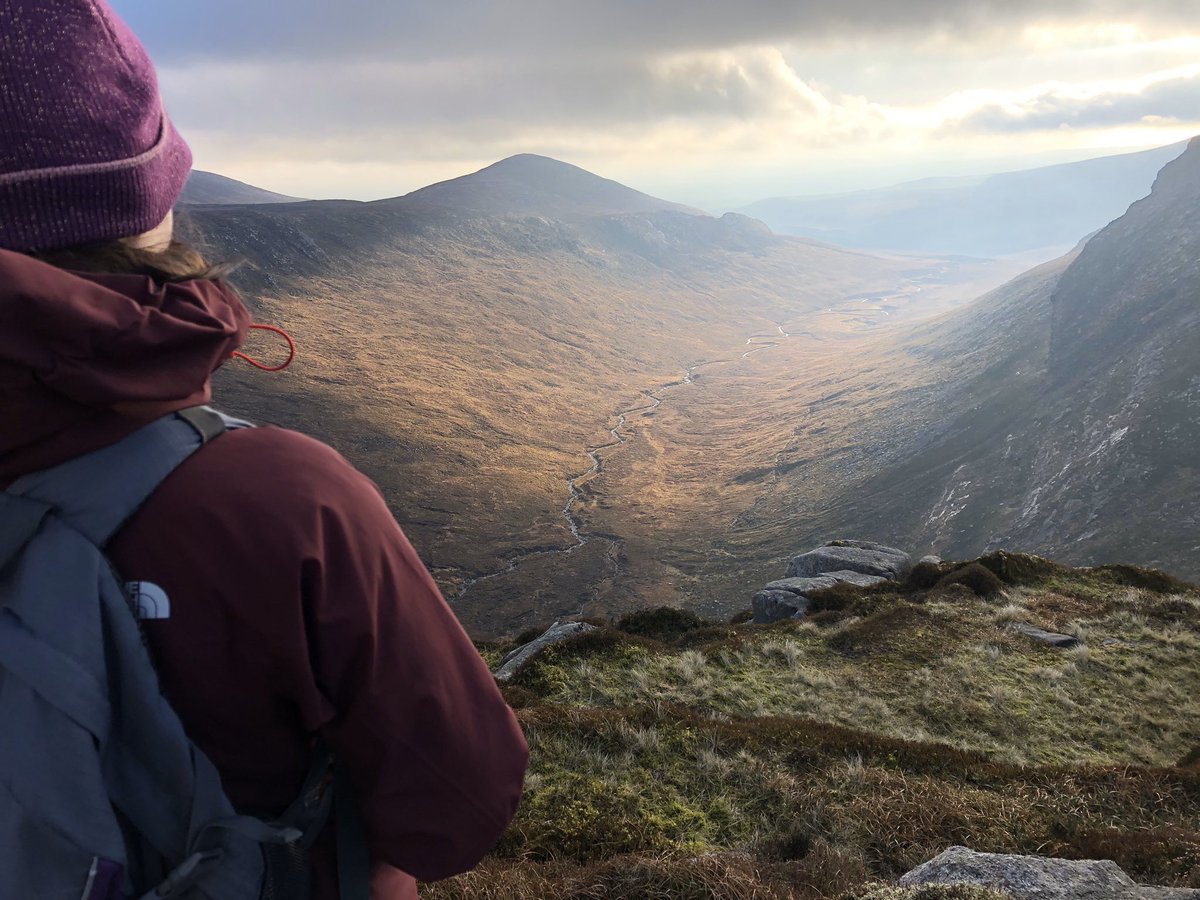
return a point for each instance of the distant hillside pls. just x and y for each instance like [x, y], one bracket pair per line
[1043, 210]
[204, 188]
[1061, 413]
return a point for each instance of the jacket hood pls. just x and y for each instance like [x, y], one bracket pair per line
[85, 359]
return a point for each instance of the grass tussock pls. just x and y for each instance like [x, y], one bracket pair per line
[824, 873]
[813, 758]
[982, 581]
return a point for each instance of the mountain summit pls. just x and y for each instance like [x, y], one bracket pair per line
[531, 185]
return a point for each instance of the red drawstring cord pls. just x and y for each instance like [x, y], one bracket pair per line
[283, 334]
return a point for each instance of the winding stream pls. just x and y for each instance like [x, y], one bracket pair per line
[574, 490]
[650, 400]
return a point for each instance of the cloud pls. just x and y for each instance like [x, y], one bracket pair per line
[385, 96]
[1167, 99]
[356, 30]
[372, 96]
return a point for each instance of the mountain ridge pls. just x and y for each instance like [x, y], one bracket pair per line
[209, 188]
[1044, 210]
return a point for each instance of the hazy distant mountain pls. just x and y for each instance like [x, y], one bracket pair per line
[532, 185]
[1068, 416]
[208, 188]
[467, 343]
[1044, 210]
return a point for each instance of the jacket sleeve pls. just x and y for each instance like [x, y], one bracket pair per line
[436, 756]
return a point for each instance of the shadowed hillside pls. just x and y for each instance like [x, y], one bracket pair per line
[1066, 410]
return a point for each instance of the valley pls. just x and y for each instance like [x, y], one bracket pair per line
[578, 399]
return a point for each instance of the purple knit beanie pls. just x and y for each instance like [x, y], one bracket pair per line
[87, 152]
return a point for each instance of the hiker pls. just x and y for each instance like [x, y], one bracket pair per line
[287, 611]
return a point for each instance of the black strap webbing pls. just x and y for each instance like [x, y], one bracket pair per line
[353, 857]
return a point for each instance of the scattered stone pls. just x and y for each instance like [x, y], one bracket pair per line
[866, 557]
[1039, 878]
[1050, 638]
[863, 545]
[930, 560]
[555, 634]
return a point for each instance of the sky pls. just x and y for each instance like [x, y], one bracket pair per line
[708, 102]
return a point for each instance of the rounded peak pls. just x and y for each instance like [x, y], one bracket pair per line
[530, 184]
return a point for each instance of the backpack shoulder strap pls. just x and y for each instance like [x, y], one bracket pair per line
[97, 493]
[79, 685]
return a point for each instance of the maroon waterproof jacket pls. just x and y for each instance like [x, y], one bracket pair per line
[298, 607]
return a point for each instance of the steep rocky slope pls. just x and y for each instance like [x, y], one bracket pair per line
[1066, 414]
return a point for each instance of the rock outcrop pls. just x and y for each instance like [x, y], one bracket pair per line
[1039, 878]
[861, 563]
[555, 634]
[866, 557]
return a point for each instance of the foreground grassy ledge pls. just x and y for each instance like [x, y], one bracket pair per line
[815, 758]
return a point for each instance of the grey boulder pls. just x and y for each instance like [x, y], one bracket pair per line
[1038, 877]
[774, 606]
[1050, 638]
[555, 634]
[865, 557]
[787, 598]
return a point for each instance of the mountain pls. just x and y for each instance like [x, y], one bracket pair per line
[1061, 413]
[498, 351]
[204, 188]
[1041, 211]
[531, 185]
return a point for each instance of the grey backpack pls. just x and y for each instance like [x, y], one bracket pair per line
[102, 794]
